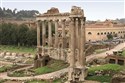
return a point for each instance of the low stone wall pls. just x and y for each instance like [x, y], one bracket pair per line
[14, 54]
[58, 54]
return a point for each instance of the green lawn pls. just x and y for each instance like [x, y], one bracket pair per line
[43, 81]
[17, 49]
[99, 51]
[113, 68]
[2, 81]
[123, 53]
[100, 78]
[53, 66]
[5, 68]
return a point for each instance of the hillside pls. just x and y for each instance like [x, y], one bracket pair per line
[15, 14]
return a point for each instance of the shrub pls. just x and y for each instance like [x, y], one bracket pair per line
[100, 78]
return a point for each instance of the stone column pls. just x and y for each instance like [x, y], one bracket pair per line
[43, 37]
[82, 51]
[63, 33]
[72, 55]
[77, 34]
[49, 34]
[56, 34]
[38, 36]
[43, 34]
[77, 42]
[63, 39]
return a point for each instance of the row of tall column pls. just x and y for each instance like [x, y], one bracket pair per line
[77, 27]
[50, 38]
[77, 57]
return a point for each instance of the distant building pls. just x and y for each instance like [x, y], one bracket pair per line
[100, 30]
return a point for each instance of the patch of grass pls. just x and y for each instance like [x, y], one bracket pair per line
[5, 68]
[43, 70]
[43, 81]
[2, 81]
[20, 49]
[99, 51]
[18, 74]
[123, 54]
[106, 67]
[36, 81]
[53, 65]
[100, 78]
[108, 70]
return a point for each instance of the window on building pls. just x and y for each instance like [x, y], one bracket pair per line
[89, 33]
[105, 33]
[121, 62]
[101, 33]
[98, 34]
[112, 61]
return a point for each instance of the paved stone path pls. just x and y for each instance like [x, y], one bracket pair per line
[44, 76]
[5, 63]
[58, 73]
[103, 55]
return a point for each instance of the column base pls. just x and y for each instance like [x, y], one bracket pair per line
[77, 75]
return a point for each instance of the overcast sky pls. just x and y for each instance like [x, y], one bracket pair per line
[94, 9]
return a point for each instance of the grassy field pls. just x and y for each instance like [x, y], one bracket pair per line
[5, 68]
[54, 65]
[99, 51]
[17, 49]
[43, 81]
[113, 68]
[123, 53]
[101, 79]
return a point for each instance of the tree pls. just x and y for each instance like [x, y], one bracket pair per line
[21, 35]
[22, 31]
[31, 37]
[109, 36]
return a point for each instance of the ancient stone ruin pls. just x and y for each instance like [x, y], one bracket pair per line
[40, 61]
[69, 47]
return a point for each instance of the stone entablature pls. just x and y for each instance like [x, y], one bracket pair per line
[51, 15]
[58, 17]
